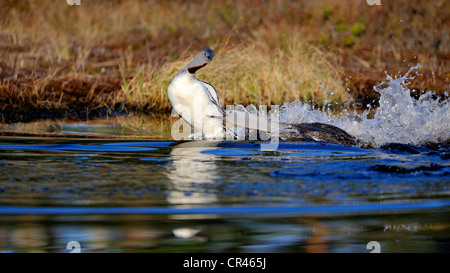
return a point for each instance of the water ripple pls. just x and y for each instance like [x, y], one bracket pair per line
[260, 210]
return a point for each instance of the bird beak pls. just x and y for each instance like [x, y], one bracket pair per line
[195, 68]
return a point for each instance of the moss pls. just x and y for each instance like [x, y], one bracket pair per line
[326, 12]
[349, 40]
[324, 38]
[342, 27]
[358, 29]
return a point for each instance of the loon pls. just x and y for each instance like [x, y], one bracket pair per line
[199, 104]
[196, 101]
[315, 131]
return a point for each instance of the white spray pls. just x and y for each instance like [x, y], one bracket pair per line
[399, 118]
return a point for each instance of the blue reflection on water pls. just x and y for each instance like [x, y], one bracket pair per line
[229, 210]
[228, 152]
[234, 185]
[78, 147]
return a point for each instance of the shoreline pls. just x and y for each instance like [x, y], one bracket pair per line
[299, 51]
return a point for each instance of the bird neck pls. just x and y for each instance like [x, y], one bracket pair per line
[186, 76]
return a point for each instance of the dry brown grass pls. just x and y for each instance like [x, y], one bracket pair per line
[250, 73]
[60, 59]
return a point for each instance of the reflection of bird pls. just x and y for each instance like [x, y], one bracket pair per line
[191, 173]
[189, 233]
[196, 101]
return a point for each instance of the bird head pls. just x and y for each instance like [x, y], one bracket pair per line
[201, 60]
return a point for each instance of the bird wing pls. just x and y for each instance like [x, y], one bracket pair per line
[214, 96]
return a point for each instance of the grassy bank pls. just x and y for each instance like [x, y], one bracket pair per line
[105, 56]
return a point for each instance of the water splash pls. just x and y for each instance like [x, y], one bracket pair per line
[400, 118]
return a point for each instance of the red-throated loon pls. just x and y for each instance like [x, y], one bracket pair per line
[196, 101]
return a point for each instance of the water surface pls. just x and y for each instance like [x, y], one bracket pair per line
[140, 195]
[121, 184]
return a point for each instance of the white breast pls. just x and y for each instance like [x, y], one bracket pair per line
[193, 101]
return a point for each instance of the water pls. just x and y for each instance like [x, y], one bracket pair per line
[399, 119]
[122, 185]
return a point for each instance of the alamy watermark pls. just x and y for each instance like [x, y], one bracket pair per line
[74, 246]
[248, 124]
[373, 2]
[374, 246]
[73, 2]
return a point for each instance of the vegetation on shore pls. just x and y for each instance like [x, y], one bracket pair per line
[107, 56]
